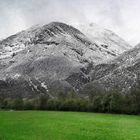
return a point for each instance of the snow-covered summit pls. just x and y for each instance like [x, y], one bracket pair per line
[61, 34]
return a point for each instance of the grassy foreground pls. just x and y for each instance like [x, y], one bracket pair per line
[47, 125]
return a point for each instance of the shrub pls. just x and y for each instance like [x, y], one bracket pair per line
[17, 104]
[28, 104]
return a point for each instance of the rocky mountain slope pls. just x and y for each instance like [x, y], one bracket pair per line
[50, 59]
[121, 74]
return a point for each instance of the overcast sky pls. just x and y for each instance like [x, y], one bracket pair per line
[120, 16]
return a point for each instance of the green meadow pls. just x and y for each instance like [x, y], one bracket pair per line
[53, 125]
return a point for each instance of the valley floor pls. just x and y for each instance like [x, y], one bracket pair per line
[51, 125]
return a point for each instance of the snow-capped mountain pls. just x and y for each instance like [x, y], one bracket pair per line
[50, 59]
[105, 38]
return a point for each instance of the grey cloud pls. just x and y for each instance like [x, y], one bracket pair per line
[17, 15]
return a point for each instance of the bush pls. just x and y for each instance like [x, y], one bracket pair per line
[17, 104]
[53, 104]
[28, 104]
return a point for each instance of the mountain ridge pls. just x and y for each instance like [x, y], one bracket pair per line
[49, 59]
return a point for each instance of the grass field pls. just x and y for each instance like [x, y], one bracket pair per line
[39, 125]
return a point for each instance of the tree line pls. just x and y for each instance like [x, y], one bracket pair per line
[109, 102]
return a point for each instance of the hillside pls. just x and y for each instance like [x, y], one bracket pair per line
[121, 73]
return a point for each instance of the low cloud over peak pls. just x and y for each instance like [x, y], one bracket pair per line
[120, 16]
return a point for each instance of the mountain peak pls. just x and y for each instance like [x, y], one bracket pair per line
[53, 54]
